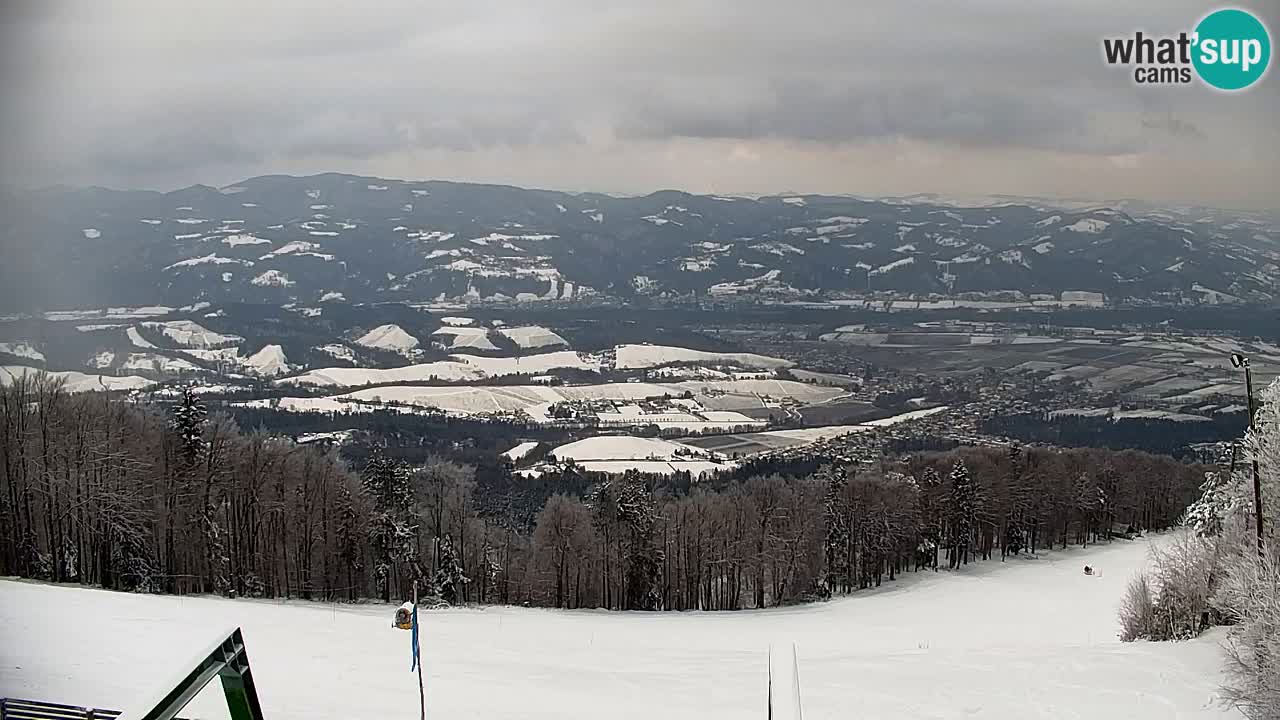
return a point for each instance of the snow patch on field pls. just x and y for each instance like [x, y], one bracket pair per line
[389, 337]
[268, 362]
[645, 356]
[466, 338]
[244, 239]
[532, 336]
[272, 278]
[75, 383]
[191, 334]
[624, 447]
[152, 362]
[92, 233]
[890, 267]
[23, 350]
[1049, 221]
[136, 339]
[1088, 225]
[342, 352]
[519, 451]
[210, 259]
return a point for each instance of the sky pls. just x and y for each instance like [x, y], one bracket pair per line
[896, 97]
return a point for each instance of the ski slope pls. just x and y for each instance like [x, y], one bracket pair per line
[1024, 640]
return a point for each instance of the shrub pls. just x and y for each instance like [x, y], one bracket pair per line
[1137, 609]
[1251, 593]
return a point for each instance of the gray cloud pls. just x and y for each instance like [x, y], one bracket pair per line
[996, 95]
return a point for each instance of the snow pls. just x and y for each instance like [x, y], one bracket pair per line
[23, 350]
[296, 246]
[797, 201]
[1043, 247]
[92, 233]
[272, 278]
[342, 352]
[388, 337]
[191, 334]
[893, 266]
[904, 417]
[1049, 221]
[150, 222]
[519, 451]
[532, 336]
[1088, 225]
[458, 367]
[101, 359]
[152, 362]
[466, 338]
[99, 326]
[268, 362]
[645, 356]
[77, 382]
[244, 239]
[332, 296]
[623, 447]
[1028, 639]
[210, 259]
[136, 339]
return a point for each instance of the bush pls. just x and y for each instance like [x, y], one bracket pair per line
[1251, 592]
[1176, 601]
[1137, 609]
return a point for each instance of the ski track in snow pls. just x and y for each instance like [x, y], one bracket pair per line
[1025, 640]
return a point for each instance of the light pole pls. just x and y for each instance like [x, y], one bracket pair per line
[1240, 361]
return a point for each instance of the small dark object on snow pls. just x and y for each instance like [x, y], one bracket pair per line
[1088, 570]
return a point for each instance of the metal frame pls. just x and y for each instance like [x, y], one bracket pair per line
[225, 659]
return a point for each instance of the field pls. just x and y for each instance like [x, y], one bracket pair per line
[1030, 639]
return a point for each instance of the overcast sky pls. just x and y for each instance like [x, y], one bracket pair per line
[892, 97]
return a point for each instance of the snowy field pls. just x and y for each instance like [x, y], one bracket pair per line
[1024, 640]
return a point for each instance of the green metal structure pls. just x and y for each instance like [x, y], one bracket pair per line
[226, 660]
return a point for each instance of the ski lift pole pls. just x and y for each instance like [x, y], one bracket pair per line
[417, 649]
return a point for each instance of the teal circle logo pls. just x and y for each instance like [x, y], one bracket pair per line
[1231, 49]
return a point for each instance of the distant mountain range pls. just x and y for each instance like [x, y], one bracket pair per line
[332, 237]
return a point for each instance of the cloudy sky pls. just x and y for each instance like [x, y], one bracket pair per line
[842, 96]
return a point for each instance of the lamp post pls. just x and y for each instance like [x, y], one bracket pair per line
[1240, 361]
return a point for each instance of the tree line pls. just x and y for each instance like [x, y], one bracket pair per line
[131, 496]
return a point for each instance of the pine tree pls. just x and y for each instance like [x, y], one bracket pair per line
[188, 423]
[963, 512]
[836, 543]
[348, 537]
[390, 532]
[449, 578]
[644, 557]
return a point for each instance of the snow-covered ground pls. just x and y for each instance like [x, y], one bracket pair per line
[644, 356]
[268, 361]
[532, 337]
[389, 337]
[190, 334]
[1030, 639]
[78, 382]
[23, 350]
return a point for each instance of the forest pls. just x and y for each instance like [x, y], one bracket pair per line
[175, 499]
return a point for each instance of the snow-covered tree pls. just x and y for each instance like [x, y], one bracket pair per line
[962, 511]
[449, 577]
[188, 422]
[835, 544]
[391, 532]
[639, 514]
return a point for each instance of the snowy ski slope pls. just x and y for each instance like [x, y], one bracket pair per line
[1026, 640]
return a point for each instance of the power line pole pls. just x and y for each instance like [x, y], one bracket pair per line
[1240, 361]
